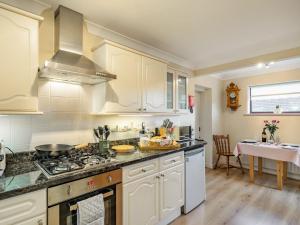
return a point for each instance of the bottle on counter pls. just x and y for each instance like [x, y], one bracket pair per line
[2, 158]
[264, 136]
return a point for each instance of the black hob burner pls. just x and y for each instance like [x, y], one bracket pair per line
[74, 161]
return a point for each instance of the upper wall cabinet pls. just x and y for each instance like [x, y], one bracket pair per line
[177, 91]
[124, 93]
[154, 85]
[140, 84]
[19, 60]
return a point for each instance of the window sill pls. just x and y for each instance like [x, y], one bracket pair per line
[272, 114]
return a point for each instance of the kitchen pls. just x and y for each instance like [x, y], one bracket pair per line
[132, 91]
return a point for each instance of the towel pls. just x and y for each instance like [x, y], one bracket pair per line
[91, 211]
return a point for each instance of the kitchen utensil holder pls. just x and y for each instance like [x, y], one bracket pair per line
[103, 146]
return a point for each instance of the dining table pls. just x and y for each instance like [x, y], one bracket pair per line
[281, 153]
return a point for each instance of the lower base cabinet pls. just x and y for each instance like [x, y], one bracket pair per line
[39, 220]
[140, 202]
[26, 209]
[171, 190]
[152, 199]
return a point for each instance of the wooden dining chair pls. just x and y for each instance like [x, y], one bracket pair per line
[223, 149]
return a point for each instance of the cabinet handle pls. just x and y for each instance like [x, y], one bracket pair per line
[144, 171]
[109, 179]
[145, 109]
[139, 109]
[157, 177]
[69, 190]
[173, 161]
[40, 222]
[162, 175]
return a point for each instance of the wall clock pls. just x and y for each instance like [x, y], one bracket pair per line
[233, 97]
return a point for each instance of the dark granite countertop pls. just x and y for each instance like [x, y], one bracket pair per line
[22, 176]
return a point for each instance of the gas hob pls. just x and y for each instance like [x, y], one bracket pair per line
[75, 161]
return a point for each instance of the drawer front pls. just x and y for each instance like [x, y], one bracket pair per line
[23, 207]
[171, 160]
[140, 170]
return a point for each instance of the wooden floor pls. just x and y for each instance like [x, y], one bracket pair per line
[234, 201]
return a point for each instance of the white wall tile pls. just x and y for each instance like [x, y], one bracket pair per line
[60, 89]
[66, 119]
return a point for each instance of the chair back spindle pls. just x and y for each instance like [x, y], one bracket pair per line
[222, 144]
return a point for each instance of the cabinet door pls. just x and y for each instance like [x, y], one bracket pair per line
[171, 90]
[181, 100]
[171, 190]
[140, 202]
[154, 85]
[19, 61]
[124, 93]
[39, 220]
[22, 208]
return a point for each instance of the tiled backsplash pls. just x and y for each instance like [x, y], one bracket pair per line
[66, 119]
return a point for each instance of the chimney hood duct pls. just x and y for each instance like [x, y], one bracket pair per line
[69, 64]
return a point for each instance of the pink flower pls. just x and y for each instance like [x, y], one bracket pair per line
[274, 121]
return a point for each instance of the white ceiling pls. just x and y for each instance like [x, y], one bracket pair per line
[204, 32]
[283, 65]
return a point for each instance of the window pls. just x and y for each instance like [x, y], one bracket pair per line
[265, 98]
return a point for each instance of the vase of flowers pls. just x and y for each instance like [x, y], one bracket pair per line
[272, 127]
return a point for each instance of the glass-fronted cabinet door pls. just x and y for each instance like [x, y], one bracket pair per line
[182, 98]
[170, 90]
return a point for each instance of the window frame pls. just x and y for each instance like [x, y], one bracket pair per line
[268, 112]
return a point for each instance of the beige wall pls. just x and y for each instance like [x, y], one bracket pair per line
[240, 127]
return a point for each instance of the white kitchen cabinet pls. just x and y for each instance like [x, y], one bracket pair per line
[141, 201]
[154, 85]
[24, 209]
[124, 93]
[38, 220]
[153, 199]
[171, 90]
[171, 190]
[140, 85]
[181, 93]
[19, 60]
[177, 91]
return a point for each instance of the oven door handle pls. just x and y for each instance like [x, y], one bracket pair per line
[107, 194]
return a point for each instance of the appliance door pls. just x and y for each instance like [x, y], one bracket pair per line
[194, 179]
[185, 132]
[65, 213]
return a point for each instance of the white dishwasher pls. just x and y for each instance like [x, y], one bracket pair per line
[194, 179]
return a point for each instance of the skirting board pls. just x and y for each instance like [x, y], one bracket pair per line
[172, 216]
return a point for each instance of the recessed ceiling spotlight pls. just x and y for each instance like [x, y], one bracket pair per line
[260, 65]
[271, 63]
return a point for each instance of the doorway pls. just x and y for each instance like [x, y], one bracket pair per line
[203, 121]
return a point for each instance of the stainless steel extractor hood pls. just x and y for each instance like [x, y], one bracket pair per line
[69, 64]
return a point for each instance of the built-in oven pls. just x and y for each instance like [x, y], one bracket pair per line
[62, 199]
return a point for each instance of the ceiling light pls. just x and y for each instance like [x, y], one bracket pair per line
[267, 66]
[271, 63]
[260, 65]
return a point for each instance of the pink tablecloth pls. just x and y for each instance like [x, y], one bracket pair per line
[268, 151]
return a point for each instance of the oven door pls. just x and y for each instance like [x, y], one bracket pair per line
[65, 213]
